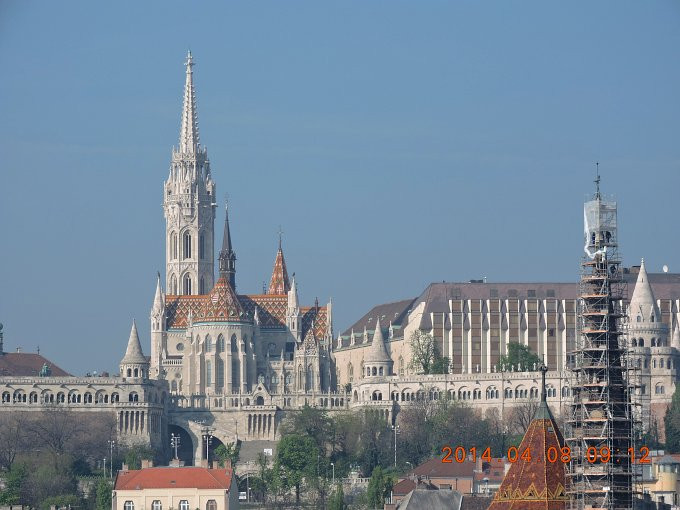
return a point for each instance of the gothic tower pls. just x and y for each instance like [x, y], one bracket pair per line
[189, 206]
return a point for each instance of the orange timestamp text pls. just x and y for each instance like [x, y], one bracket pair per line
[553, 454]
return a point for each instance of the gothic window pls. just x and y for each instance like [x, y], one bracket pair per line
[186, 245]
[173, 246]
[201, 247]
[275, 379]
[310, 377]
[639, 319]
[173, 284]
[208, 344]
[234, 345]
[133, 397]
[201, 287]
[187, 284]
[350, 372]
[653, 363]
[661, 363]
[129, 505]
[156, 505]
[208, 373]
[659, 389]
[289, 379]
[260, 378]
[641, 342]
[220, 343]
[173, 385]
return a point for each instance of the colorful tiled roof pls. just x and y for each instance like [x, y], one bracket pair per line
[174, 478]
[26, 364]
[221, 305]
[536, 483]
[271, 311]
[279, 283]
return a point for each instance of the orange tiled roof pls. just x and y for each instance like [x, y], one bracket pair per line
[279, 283]
[271, 311]
[535, 484]
[174, 477]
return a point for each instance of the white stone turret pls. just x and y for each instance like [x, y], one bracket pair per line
[377, 361]
[293, 319]
[189, 206]
[158, 329]
[134, 364]
[645, 328]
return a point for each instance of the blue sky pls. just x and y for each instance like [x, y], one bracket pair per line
[397, 143]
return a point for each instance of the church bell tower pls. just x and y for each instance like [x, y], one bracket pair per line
[189, 206]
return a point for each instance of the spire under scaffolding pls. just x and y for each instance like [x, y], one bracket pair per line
[602, 421]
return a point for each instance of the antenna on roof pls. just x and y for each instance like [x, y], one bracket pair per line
[597, 180]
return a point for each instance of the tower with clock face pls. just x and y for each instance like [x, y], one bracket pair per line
[189, 206]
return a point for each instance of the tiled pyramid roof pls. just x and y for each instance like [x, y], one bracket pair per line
[279, 283]
[221, 305]
[535, 484]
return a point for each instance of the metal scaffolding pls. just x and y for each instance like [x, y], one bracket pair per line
[603, 423]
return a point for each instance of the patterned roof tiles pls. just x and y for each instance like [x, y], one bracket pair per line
[279, 283]
[174, 478]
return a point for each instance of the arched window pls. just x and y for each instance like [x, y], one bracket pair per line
[173, 284]
[201, 247]
[646, 363]
[380, 371]
[659, 389]
[208, 373]
[275, 379]
[184, 505]
[219, 364]
[129, 505]
[208, 344]
[641, 342]
[661, 363]
[133, 397]
[186, 245]
[350, 372]
[654, 363]
[234, 344]
[653, 343]
[310, 377]
[634, 342]
[260, 378]
[156, 505]
[401, 366]
[289, 379]
[639, 319]
[129, 372]
[173, 246]
[211, 505]
[220, 343]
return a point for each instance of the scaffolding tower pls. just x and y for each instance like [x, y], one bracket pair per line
[603, 421]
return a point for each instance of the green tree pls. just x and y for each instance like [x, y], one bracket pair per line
[63, 500]
[379, 487]
[16, 477]
[229, 451]
[440, 365]
[311, 421]
[337, 500]
[103, 495]
[296, 459]
[135, 455]
[672, 424]
[423, 352]
[520, 357]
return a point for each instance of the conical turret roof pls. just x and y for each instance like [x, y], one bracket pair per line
[643, 304]
[534, 482]
[377, 351]
[222, 305]
[133, 353]
[279, 284]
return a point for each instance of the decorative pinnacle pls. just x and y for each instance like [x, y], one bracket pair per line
[597, 181]
[188, 136]
[543, 370]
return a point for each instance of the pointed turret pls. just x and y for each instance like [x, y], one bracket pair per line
[675, 339]
[133, 353]
[537, 479]
[643, 307]
[158, 298]
[293, 303]
[293, 319]
[188, 134]
[377, 360]
[134, 363]
[279, 284]
[227, 257]
[377, 351]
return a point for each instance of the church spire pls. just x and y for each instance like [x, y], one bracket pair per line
[227, 257]
[279, 283]
[188, 135]
[133, 353]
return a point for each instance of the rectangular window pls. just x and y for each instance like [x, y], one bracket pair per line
[531, 293]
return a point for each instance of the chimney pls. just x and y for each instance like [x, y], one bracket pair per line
[147, 463]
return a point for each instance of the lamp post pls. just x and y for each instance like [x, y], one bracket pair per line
[104, 467]
[112, 443]
[207, 435]
[333, 466]
[174, 443]
[395, 428]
